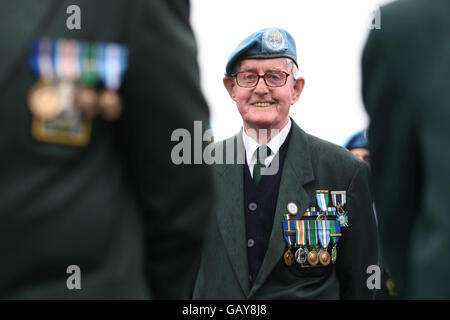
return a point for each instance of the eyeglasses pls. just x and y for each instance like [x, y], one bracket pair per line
[249, 79]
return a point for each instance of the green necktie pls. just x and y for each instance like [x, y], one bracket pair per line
[261, 155]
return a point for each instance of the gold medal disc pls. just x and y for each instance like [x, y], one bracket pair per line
[44, 101]
[324, 257]
[86, 101]
[313, 257]
[110, 105]
[288, 258]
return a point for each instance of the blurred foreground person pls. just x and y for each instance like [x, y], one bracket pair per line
[406, 67]
[358, 144]
[91, 205]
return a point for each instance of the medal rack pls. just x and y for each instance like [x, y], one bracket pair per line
[310, 237]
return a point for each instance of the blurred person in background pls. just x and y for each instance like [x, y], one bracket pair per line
[359, 146]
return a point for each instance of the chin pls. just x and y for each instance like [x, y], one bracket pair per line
[260, 123]
[266, 116]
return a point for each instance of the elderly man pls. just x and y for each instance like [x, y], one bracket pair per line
[303, 230]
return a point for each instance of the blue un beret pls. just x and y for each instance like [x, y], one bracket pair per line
[357, 140]
[264, 44]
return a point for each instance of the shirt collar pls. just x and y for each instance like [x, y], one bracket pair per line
[274, 144]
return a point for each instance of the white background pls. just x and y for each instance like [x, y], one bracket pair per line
[330, 36]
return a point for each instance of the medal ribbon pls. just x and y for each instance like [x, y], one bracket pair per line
[331, 212]
[300, 227]
[112, 58]
[335, 228]
[311, 212]
[288, 225]
[312, 233]
[322, 200]
[42, 52]
[338, 197]
[64, 59]
[323, 228]
[88, 63]
[70, 61]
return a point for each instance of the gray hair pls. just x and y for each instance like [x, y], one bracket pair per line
[292, 67]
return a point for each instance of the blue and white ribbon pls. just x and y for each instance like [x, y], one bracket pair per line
[322, 200]
[112, 63]
[323, 230]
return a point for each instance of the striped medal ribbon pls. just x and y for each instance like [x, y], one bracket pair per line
[322, 199]
[335, 234]
[112, 64]
[41, 59]
[289, 232]
[323, 232]
[323, 227]
[301, 238]
[338, 197]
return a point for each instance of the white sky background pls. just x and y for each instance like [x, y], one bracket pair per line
[330, 36]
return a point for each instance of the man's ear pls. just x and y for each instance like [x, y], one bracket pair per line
[299, 84]
[230, 85]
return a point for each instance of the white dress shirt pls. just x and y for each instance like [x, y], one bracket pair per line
[251, 145]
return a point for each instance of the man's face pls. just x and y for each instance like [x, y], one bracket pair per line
[264, 107]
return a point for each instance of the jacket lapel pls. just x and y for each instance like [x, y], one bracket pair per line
[20, 25]
[230, 214]
[297, 172]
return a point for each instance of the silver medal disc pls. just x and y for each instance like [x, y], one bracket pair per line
[301, 255]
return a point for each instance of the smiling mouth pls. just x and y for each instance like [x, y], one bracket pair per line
[262, 104]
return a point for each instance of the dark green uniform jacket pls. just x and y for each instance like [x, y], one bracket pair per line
[311, 164]
[406, 71]
[117, 208]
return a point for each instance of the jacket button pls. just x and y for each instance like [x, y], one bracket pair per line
[252, 206]
[250, 243]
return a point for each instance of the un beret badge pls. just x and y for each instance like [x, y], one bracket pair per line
[273, 40]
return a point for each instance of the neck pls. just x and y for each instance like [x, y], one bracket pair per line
[263, 135]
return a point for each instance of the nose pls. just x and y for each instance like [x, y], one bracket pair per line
[261, 87]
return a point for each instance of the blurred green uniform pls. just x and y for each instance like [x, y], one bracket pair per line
[406, 67]
[116, 207]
